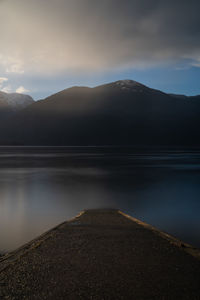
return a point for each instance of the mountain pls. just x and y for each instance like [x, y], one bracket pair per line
[124, 112]
[13, 102]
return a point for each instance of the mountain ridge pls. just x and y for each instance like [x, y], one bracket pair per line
[115, 83]
[118, 113]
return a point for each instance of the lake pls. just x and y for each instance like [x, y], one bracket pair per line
[41, 187]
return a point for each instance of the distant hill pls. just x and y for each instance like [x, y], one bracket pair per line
[13, 102]
[124, 112]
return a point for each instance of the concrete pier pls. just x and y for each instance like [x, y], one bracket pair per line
[102, 254]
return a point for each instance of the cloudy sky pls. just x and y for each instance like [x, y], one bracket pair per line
[47, 46]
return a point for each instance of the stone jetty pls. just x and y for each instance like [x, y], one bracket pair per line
[102, 254]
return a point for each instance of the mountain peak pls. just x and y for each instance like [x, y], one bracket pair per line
[127, 85]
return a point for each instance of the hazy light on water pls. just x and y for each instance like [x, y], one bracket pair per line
[41, 188]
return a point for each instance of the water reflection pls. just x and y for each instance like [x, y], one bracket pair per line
[41, 187]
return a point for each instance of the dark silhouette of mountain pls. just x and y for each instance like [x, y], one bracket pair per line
[119, 113]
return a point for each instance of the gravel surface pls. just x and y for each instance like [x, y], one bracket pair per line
[101, 254]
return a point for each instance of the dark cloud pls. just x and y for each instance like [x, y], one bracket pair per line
[56, 35]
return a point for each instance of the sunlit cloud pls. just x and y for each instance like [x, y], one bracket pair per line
[22, 90]
[3, 88]
[3, 80]
[7, 89]
[11, 64]
[15, 68]
[196, 63]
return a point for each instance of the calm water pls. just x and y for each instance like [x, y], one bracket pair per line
[41, 187]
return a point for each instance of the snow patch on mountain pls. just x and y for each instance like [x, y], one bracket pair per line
[130, 85]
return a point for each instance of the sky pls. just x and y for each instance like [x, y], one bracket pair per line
[47, 46]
